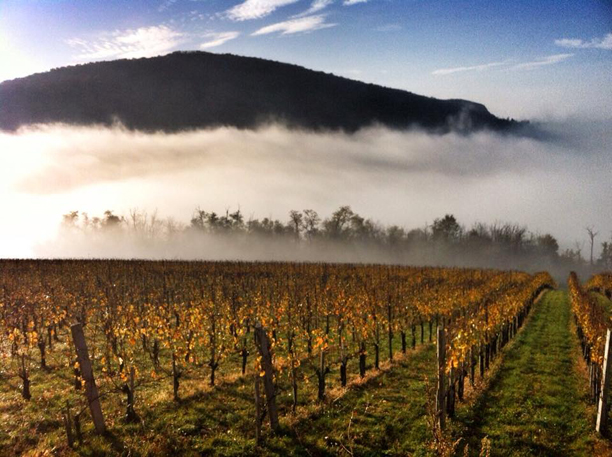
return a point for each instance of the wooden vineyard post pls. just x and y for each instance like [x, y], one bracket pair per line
[602, 409]
[450, 398]
[257, 409]
[68, 425]
[91, 390]
[441, 392]
[263, 345]
[130, 414]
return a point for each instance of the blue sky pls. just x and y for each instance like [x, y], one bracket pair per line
[523, 59]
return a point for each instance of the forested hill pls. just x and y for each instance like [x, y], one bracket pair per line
[187, 90]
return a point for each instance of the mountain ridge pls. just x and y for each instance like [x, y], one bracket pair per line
[188, 90]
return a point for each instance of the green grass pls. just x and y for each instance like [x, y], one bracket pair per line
[536, 403]
[220, 421]
[384, 417]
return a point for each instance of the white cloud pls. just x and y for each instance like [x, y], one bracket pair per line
[129, 44]
[486, 66]
[301, 25]
[315, 7]
[217, 39]
[549, 60]
[598, 43]
[353, 2]
[569, 43]
[256, 9]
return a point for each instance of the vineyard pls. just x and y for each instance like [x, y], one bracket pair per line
[601, 283]
[148, 358]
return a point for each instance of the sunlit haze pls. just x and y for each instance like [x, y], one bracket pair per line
[407, 179]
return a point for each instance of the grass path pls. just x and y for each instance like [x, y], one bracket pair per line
[385, 417]
[536, 404]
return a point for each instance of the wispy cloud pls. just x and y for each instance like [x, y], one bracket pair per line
[598, 43]
[507, 64]
[256, 9]
[301, 25]
[315, 7]
[128, 44]
[165, 5]
[548, 60]
[217, 39]
[197, 16]
[388, 28]
[482, 67]
[353, 2]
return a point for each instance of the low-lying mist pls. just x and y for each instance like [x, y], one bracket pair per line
[559, 184]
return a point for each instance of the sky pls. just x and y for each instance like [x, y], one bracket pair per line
[547, 60]
[523, 59]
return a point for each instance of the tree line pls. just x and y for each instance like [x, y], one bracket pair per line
[445, 241]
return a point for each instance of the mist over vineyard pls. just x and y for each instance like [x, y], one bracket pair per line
[401, 179]
[344, 236]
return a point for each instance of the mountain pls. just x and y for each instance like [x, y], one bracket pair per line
[187, 90]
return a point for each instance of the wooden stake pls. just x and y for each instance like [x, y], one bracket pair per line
[441, 394]
[257, 409]
[602, 410]
[68, 425]
[266, 361]
[450, 398]
[91, 390]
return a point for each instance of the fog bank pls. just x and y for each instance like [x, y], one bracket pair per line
[558, 184]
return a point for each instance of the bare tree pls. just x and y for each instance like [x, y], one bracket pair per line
[154, 225]
[578, 251]
[592, 235]
[336, 226]
[296, 221]
[134, 218]
[70, 219]
[311, 222]
[172, 226]
[138, 221]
